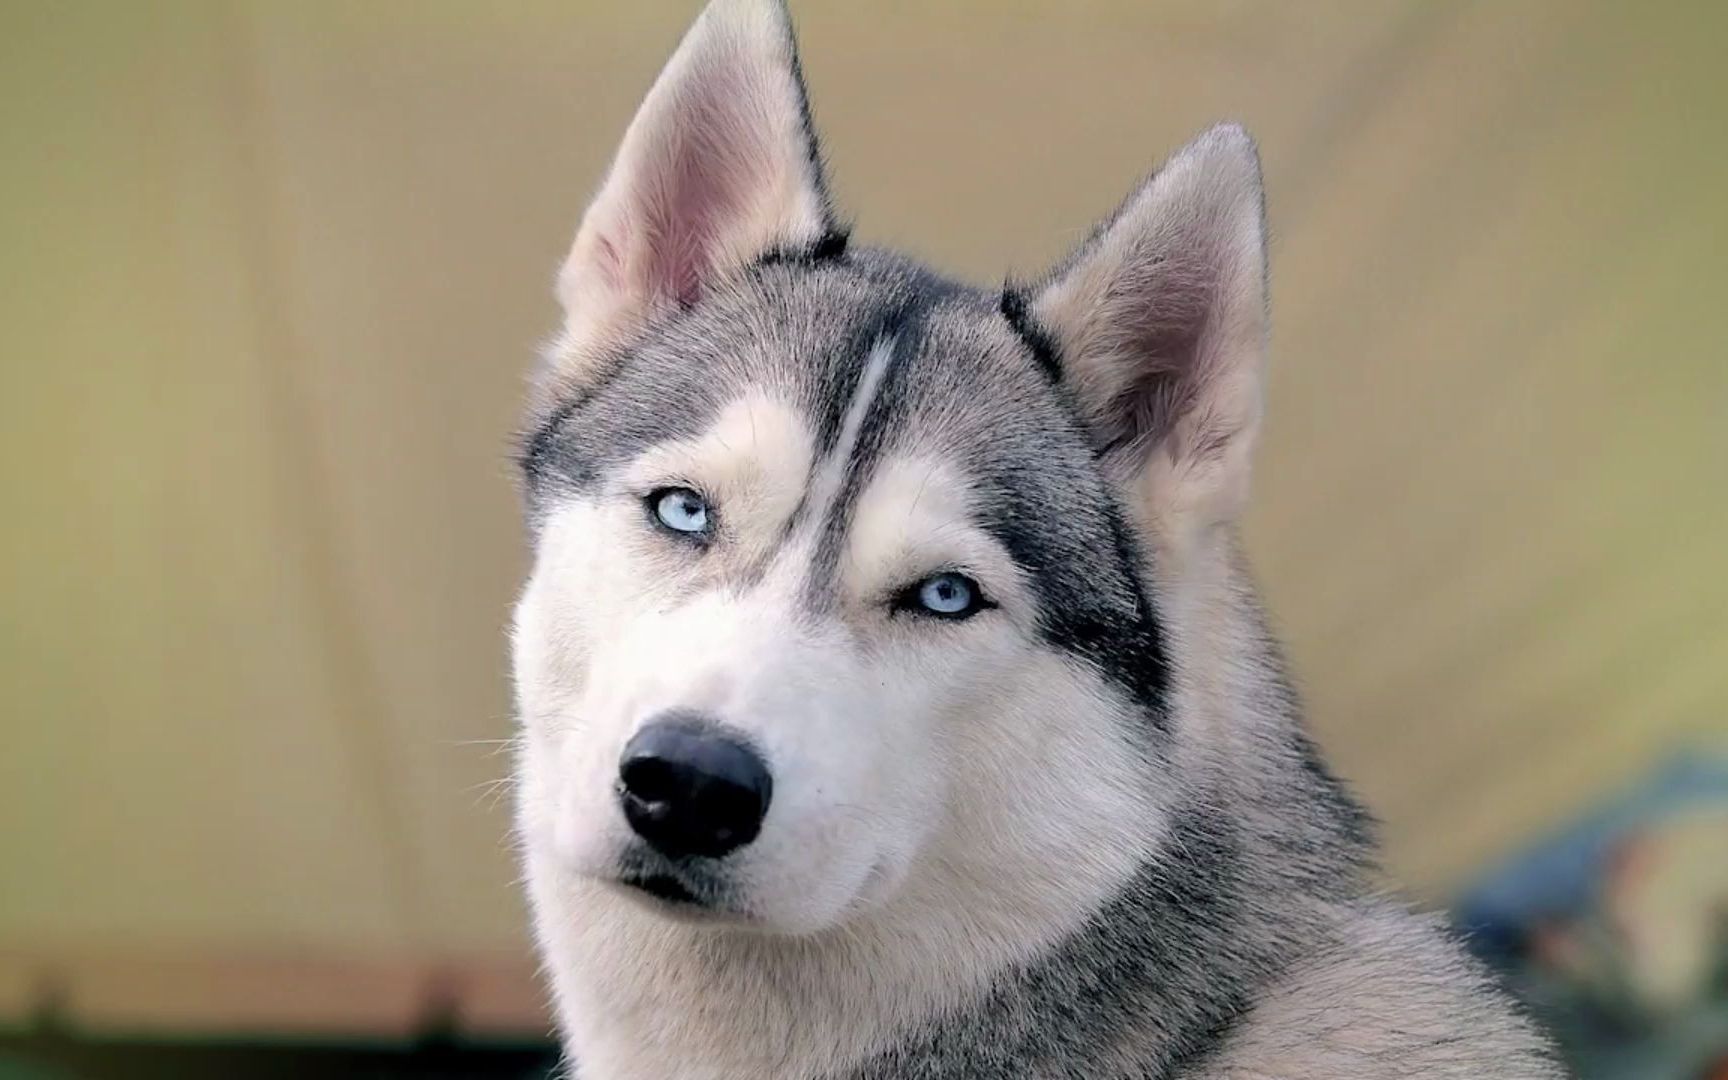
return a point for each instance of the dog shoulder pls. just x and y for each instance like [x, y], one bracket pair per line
[1395, 996]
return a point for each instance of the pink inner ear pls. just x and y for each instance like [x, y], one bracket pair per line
[695, 205]
[608, 262]
[708, 167]
[1161, 311]
[716, 169]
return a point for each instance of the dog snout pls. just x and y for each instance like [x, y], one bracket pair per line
[690, 789]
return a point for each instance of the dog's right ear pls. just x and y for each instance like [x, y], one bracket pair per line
[719, 167]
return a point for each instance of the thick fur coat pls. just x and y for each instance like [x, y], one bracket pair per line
[953, 573]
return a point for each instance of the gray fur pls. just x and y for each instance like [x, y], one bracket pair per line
[961, 385]
[1250, 939]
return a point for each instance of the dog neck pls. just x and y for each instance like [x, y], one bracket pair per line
[1151, 983]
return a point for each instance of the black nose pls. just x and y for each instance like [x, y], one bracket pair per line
[690, 789]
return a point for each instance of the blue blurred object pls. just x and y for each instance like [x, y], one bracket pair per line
[1556, 874]
[1614, 928]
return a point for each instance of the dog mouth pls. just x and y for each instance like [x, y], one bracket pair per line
[663, 887]
[675, 889]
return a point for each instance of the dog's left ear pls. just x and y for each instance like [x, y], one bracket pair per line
[1159, 322]
[718, 168]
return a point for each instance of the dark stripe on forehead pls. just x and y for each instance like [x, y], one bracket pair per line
[886, 406]
[832, 391]
[836, 388]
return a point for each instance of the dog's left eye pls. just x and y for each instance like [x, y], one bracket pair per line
[682, 511]
[948, 595]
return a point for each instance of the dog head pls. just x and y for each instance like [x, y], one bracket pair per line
[847, 578]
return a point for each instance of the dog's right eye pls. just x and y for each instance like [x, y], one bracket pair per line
[683, 511]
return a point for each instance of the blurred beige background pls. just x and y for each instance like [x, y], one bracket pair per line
[273, 272]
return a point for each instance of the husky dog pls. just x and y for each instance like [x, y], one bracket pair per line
[896, 703]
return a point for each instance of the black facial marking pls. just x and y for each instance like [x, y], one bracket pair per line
[885, 407]
[829, 247]
[1092, 601]
[1015, 309]
[838, 385]
[1136, 658]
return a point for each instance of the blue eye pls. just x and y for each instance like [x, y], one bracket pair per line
[682, 511]
[947, 595]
